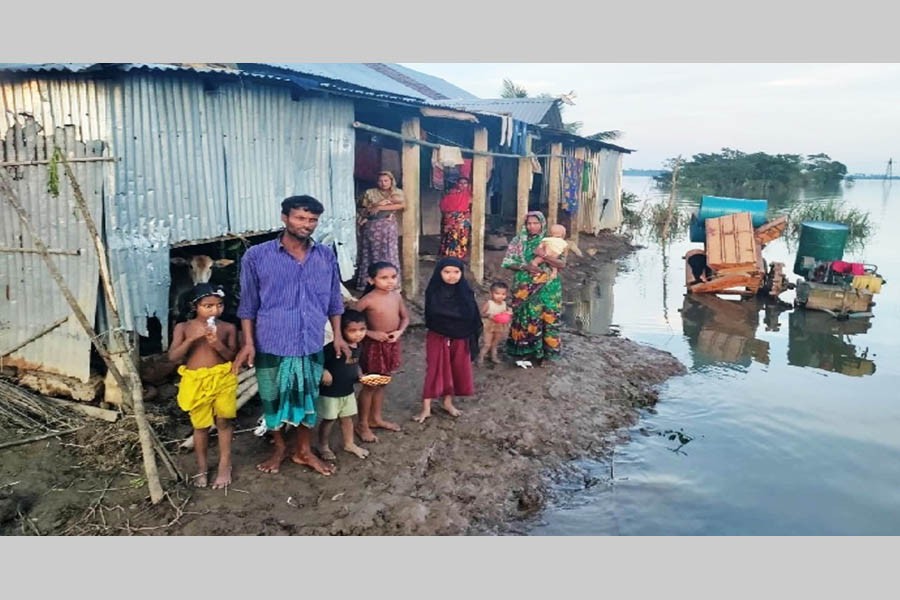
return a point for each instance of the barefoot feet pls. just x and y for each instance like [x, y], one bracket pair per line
[223, 478]
[421, 416]
[199, 480]
[452, 410]
[310, 460]
[382, 424]
[354, 449]
[273, 463]
[327, 454]
[365, 433]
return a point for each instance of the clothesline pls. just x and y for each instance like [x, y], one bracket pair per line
[409, 140]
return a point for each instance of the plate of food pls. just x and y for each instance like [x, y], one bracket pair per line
[374, 379]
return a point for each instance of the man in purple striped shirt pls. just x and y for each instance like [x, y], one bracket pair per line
[290, 287]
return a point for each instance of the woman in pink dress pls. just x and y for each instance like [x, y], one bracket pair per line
[379, 232]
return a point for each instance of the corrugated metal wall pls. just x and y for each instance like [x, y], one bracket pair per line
[192, 163]
[198, 163]
[39, 114]
[605, 182]
[610, 187]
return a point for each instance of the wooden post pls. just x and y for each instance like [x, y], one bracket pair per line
[156, 492]
[479, 202]
[576, 216]
[126, 366]
[524, 185]
[411, 225]
[554, 182]
[671, 208]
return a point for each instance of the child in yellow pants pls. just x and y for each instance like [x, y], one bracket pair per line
[208, 388]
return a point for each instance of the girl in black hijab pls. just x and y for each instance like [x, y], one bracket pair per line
[454, 325]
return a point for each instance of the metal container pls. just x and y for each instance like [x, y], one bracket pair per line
[820, 241]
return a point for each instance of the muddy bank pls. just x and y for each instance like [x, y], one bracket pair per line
[487, 471]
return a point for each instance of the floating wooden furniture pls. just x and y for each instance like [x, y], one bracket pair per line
[732, 262]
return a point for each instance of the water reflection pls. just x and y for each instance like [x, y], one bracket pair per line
[723, 332]
[820, 341]
[589, 307]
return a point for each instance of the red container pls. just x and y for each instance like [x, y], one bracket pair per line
[502, 318]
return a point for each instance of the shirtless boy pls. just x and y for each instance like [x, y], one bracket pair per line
[208, 388]
[387, 320]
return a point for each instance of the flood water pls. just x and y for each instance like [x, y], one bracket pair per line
[788, 421]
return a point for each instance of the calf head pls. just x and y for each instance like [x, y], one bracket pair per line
[200, 266]
[199, 270]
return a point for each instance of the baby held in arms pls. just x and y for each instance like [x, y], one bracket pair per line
[554, 246]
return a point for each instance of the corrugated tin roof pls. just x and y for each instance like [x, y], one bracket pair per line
[24, 67]
[529, 110]
[218, 68]
[441, 86]
[354, 73]
[384, 80]
[381, 77]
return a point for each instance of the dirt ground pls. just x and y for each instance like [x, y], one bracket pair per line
[490, 471]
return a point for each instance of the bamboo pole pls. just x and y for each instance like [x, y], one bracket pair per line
[414, 140]
[668, 223]
[110, 416]
[12, 198]
[554, 188]
[523, 184]
[133, 386]
[36, 251]
[411, 225]
[575, 220]
[479, 205]
[46, 161]
[36, 438]
[39, 334]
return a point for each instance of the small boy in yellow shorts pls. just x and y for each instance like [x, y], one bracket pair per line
[208, 388]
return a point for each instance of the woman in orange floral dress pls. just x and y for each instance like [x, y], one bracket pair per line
[456, 220]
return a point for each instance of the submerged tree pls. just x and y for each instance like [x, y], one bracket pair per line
[735, 173]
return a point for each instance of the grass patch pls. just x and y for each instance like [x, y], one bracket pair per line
[649, 218]
[833, 211]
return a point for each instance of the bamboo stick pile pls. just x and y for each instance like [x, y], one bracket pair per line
[24, 413]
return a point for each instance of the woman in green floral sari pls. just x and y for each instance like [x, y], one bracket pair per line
[536, 297]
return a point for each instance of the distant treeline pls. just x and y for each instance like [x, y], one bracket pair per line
[865, 176]
[738, 174]
[641, 172]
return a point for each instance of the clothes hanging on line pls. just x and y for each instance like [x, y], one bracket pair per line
[450, 156]
[437, 171]
[573, 173]
[520, 134]
[506, 130]
[465, 169]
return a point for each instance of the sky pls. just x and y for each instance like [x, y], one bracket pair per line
[849, 111]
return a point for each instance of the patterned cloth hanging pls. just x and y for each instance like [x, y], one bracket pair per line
[573, 173]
